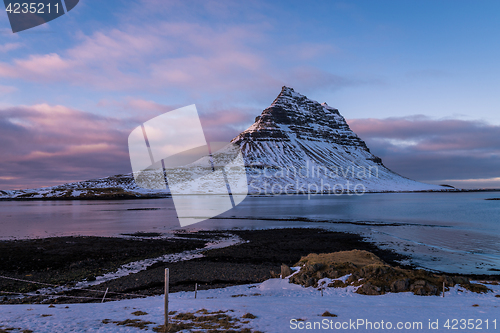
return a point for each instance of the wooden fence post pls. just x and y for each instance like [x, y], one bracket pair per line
[166, 299]
[104, 295]
[195, 289]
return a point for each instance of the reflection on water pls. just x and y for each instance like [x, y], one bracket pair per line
[31, 219]
[455, 232]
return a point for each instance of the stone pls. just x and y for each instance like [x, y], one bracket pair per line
[285, 271]
[400, 285]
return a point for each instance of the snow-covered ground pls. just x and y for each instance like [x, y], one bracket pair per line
[276, 303]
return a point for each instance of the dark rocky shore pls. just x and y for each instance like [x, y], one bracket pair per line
[66, 260]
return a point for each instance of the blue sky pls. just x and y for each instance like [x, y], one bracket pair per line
[72, 90]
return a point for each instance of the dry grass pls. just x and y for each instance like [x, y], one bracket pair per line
[10, 329]
[357, 257]
[373, 276]
[494, 283]
[204, 320]
[139, 313]
[249, 316]
[477, 288]
[143, 325]
[185, 316]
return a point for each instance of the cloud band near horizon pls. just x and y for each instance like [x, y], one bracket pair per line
[462, 153]
[44, 145]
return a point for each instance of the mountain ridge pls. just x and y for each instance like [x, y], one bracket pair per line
[298, 134]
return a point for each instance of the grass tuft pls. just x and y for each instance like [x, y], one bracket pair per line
[328, 314]
[206, 321]
[249, 316]
[143, 325]
[139, 313]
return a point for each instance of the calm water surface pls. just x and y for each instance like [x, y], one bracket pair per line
[453, 232]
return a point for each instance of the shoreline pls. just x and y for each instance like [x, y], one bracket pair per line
[68, 260]
[131, 196]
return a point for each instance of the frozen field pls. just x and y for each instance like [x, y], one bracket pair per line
[276, 304]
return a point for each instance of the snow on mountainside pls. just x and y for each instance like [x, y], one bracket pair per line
[299, 145]
[296, 145]
[117, 187]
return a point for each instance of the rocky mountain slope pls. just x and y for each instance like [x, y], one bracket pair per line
[299, 145]
[296, 145]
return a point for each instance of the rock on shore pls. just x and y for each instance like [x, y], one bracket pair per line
[372, 276]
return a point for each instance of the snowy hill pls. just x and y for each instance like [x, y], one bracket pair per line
[296, 145]
[118, 187]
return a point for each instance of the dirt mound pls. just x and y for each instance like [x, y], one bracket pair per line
[359, 258]
[372, 275]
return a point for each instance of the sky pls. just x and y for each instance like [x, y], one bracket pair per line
[417, 80]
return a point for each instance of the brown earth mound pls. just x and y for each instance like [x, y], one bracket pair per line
[373, 276]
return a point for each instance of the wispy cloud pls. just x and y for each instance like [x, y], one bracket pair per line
[45, 145]
[143, 57]
[4, 90]
[220, 122]
[200, 59]
[4, 48]
[426, 149]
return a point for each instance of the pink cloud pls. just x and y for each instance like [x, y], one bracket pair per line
[9, 47]
[49, 144]
[43, 145]
[144, 57]
[4, 90]
[47, 67]
[429, 134]
[167, 57]
[425, 149]
[221, 122]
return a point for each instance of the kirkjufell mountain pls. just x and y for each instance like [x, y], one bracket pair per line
[296, 145]
[302, 144]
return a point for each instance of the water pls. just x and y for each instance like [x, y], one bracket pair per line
[452, 232]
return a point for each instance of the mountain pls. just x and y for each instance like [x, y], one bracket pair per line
[306, 146]
[296, 145]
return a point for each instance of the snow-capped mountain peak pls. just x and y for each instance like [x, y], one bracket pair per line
[296, 134]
